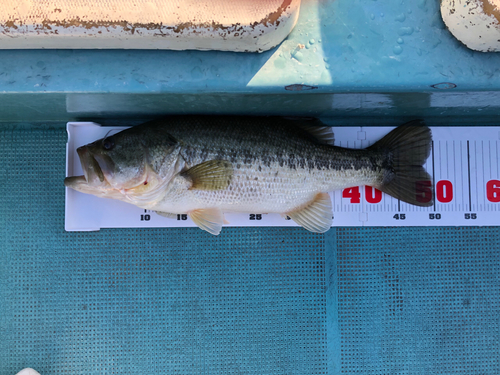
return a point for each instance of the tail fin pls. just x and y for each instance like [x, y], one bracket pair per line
[409, 147]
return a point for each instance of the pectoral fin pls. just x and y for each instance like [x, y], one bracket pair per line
[209, 219]
[210, 175]
[316, 216]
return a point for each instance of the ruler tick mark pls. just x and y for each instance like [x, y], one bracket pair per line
[447, 162]
[468, 175]
[433, 177]
[476, 159]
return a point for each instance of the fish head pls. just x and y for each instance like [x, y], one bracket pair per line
[131, 162]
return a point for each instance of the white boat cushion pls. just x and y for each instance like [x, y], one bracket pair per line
[476, 23]
[239, 25]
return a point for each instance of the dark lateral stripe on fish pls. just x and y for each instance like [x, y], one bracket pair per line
[356, 159]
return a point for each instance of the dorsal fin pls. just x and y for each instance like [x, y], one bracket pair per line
[318, 130]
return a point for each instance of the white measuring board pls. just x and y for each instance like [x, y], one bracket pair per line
[464, 165]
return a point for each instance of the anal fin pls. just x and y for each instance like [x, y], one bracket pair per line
[315, 216]
[209, 219]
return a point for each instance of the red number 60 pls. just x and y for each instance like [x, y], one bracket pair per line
[493, 190]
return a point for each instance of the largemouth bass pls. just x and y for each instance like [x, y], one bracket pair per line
[204, 166]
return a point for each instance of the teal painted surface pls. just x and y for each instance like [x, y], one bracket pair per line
[371, 50]
[442, 108]
[361, 45]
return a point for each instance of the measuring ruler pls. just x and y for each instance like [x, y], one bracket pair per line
[464, 166]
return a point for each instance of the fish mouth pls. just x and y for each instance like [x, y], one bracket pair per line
[79, 183]
[93, 176]
[91, 168]
[74, 181]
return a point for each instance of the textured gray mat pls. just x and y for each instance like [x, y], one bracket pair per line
[250, 301]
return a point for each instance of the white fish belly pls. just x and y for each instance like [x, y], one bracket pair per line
[270, 190]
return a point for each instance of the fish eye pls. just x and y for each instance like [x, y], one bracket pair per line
[108, 144]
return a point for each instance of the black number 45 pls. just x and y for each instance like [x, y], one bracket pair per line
[399, 216]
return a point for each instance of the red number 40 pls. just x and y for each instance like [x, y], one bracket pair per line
[372, 195]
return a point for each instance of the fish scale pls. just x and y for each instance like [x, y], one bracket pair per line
[283, 182]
